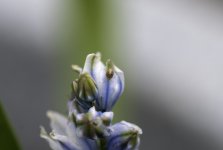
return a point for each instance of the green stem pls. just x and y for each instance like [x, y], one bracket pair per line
[102, 144]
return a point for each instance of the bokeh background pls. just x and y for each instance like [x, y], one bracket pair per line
[170, 50]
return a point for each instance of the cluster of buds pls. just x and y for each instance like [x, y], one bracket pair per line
[89, 122]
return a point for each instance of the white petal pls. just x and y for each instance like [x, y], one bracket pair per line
[94, 66]
[66, 142]
[107, 115]
[62, 126]
[92, 113]
[53, 144]
[57, 122]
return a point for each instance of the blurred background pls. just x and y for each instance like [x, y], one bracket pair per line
[170, 50]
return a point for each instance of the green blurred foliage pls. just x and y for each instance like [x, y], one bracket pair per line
[7, 138]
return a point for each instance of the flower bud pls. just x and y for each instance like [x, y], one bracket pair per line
[86, 88]
[109, 80]
[123, 135]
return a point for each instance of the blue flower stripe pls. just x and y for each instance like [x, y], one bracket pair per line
[119, 92]
[66, 147]
[106, 94]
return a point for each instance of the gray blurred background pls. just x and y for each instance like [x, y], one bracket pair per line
[170, 50]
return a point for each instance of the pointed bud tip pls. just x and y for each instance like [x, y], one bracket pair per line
[134, 128]
[109, 69]
[76, 68]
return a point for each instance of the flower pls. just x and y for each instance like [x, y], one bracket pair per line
[63, 136]
[124, 136]
[108, 78]
[89, 123]
[85, 90]
[120, 136]
[93, 124]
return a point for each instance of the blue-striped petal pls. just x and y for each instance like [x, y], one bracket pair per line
[110, 82]
[123, 136]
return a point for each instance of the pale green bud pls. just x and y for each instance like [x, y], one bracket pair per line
[86, 88]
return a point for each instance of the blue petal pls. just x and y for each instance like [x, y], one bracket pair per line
[110, 89]
[124, 136]
[114, 89]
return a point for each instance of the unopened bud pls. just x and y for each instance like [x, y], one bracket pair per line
[87, 89]
[126, 136]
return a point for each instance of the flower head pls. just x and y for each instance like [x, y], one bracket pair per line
[109, 80]
[89, 123]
